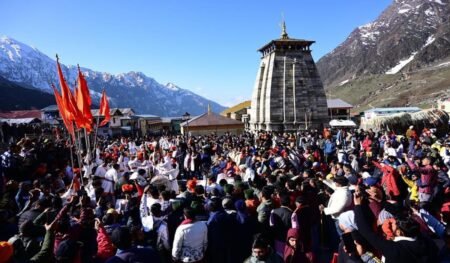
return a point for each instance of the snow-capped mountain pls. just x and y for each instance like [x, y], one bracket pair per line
[29, 67]
[408, 35]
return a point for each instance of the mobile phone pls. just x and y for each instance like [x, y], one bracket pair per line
[348, 242]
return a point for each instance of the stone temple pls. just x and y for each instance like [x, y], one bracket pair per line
[288, 94]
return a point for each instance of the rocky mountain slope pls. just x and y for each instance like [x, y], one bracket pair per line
[28, 66]
[408, 35]
[16, 97]
[399, 59]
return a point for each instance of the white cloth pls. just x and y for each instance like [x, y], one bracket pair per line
[109, 179]
[249, 175]
[100, 172]
[134, 164]
[146, 203]
[87, 170]
[190, 242]
[339, 201]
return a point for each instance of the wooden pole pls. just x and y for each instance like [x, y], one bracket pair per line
[71, 152]
[95, 136]
[79, 155]
[88, 142]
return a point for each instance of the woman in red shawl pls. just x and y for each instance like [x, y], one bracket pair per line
[293, 251]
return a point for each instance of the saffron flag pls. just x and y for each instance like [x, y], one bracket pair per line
[70, 106]
[104, 109]
[63, 113]
[83, 101]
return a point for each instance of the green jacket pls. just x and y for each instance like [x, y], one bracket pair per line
[46, 253]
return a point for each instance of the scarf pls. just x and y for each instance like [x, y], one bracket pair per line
[187, 221]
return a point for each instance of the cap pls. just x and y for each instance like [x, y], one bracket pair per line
[370, 181]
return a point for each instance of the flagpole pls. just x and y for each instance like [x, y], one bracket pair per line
[95, 136]
[88, 143]
[71, 150]
[79, 156]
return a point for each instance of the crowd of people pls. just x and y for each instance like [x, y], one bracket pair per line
[310, 196]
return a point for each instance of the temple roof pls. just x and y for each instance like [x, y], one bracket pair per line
[290, 41]
[285, 39]
[210, 119]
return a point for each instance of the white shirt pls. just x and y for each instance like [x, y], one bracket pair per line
[339, 201]
[190, 242]
[100, 172]
[109, 179]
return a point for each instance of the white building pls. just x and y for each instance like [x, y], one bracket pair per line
[377, 112]
[444, 105]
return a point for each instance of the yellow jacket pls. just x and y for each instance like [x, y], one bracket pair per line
[413, 188]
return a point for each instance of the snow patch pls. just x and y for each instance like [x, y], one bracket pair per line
[444, 64]
[172, 86]
[401, 64]
[429, 12]
[437, 1]
[430, 40]
[343, 82]
[402, 11]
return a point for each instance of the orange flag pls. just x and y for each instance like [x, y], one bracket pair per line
[83, 100]
[104, 109]
[69, 103]
[63, 113]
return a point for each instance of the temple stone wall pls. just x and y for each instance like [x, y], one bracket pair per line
[276, 104]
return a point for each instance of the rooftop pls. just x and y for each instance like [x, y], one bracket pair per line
[20, 114]
[238, 107]
[338, 104]
[398, 109]
[285, 39]
[50, 108]
[210, 119]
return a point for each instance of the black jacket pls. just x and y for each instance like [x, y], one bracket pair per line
[281, 220]
[420, 250]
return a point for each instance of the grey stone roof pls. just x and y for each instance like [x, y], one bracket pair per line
[210, 119]
[338, 104]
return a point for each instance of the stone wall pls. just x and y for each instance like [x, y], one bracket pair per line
[276, 105]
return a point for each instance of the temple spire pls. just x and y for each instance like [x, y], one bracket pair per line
[209, 109]
[284, 34]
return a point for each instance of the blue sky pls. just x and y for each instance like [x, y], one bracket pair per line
[207, 46]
